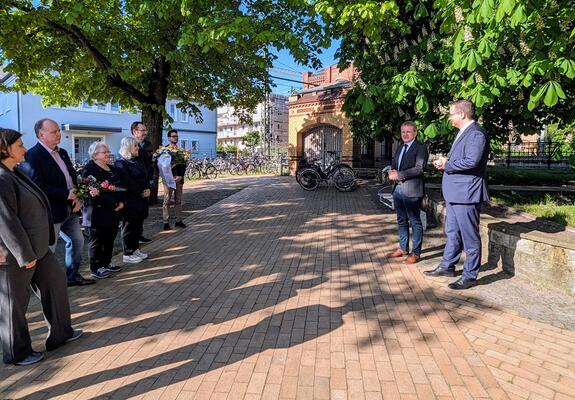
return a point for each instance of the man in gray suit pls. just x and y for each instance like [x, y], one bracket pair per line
[464, 188]
[407, 172]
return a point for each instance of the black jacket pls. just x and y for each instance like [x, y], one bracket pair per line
[410, 171]
[45, 172]
[136, 181]
[99, 210]
[146, 158]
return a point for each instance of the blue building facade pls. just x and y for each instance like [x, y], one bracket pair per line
[85, 123]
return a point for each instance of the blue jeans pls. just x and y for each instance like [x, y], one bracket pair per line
[408, 213]
[71, 232]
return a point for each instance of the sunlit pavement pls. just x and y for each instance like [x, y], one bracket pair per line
[278, 293]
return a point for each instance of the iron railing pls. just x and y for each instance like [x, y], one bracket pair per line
[530, 153]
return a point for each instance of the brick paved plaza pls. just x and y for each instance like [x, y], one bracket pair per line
[277, 293]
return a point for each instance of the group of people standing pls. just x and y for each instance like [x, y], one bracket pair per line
[39, 201]
[464, 188]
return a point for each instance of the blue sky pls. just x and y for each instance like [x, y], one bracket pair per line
[285, 61]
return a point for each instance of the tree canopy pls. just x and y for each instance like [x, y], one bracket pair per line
[512, 58]
[252, 139]
[138, 53]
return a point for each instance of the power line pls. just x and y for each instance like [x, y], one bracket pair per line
[293, 80]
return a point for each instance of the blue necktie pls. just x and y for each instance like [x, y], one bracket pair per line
[401, 155]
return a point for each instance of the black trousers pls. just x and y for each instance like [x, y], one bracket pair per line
[101, 245]
[48, 281]
[131, 231]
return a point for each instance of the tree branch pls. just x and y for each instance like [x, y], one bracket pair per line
[113, 78]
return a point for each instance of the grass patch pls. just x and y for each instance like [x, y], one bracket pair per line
[518, 176]
[557, 207]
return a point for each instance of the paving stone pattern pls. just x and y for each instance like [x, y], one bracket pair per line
[277, 293]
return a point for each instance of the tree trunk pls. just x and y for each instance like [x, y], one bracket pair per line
[154, 121]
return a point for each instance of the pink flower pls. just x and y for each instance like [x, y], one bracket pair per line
[111, 188]
[94, 192]
[105, 184]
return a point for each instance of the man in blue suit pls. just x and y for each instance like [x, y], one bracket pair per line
[51, 169]
[464, 189]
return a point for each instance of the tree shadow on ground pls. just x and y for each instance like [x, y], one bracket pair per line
[248, 258]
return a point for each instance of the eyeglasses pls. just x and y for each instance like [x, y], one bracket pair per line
[174, 136]
[104, 152]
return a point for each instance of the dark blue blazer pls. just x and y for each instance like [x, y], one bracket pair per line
[136, 181]
[464, 175]
[45, 172]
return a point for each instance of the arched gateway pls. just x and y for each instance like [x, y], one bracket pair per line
[321, 141]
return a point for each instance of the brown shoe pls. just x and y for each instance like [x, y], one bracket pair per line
[411, 259]
[397, 253]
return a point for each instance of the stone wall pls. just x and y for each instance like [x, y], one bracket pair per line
[539, 250]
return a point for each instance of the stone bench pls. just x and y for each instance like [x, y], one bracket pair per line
[539, 250]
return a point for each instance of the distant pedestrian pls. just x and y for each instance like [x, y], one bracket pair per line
[138, 191]
[407, 173]
[464, 188]
[139, 132]
[26, 231]
[51, 169]
[101, 214]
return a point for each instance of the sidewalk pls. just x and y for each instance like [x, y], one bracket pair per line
[278, 293]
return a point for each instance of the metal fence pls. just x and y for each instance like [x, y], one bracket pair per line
[540, 153]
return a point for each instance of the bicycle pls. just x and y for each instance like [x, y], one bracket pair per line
[201, 169]
[310, 175]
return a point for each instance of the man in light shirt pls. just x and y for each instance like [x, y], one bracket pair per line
[51, 169]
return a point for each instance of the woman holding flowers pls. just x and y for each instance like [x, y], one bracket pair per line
[137, 193]
[101, 211]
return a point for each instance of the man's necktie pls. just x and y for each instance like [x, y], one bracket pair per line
[401, 155]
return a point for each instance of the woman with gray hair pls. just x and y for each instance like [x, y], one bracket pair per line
[138, 190]
[101, 213]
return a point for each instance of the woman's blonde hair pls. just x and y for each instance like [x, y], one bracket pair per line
[125, 147]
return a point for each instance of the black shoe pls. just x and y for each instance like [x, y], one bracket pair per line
[144, 239]
[167, 227]
[440, 272]
[75, 335]
[180, 224]
[461, 284]
[81, 281]
[33, 358]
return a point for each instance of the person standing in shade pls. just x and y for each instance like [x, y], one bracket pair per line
[464, 188]
[138, 191]
[145, 155]
[26, 231]
[101, 213]
[407, 173]
[51, 169]
[178, 171]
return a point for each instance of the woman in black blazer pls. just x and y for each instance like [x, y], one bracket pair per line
[138, 191]
[26, 231]
[101, 214]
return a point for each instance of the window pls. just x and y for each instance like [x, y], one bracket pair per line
[184, 144]
[184, 116]
[101, 106]
[172, 110]
[195, 145]
[114, 107]
[363, 148]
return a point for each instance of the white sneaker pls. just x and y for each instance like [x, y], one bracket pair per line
[140, 254]
[132, 259]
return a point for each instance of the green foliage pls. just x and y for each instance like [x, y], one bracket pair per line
[227, 148]
[252, 139]
[566, 136]
[512, 58]
[138, 53]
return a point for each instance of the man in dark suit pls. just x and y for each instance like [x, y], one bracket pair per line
[145, 156]
[464, 188]
[51, 169]
[407, 172]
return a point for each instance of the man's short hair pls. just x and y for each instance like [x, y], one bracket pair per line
[466, 107]
[134, 125]
[40, 124]
[172, 131]
[410, 123]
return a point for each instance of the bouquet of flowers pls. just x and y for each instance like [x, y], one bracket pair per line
[89, 187]
[179, 156]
